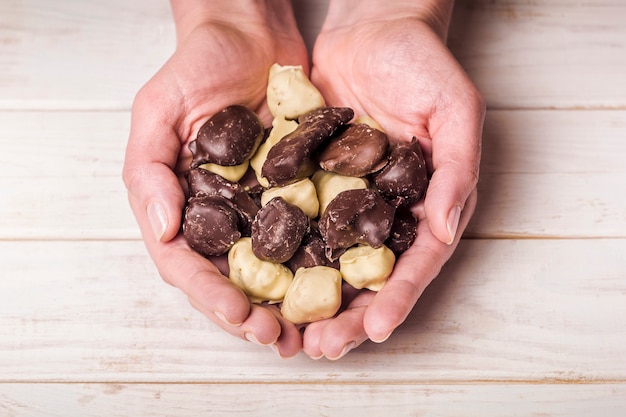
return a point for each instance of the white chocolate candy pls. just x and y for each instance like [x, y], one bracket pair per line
[367, 120]
[301, 194]
[366, 267]
[290, 94]
[231, 173]
[280, 128]
[329, 184]
[260, 280]
[314, 294]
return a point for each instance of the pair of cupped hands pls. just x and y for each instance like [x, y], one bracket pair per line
[391, 65]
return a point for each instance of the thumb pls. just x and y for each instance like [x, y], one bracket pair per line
[456, 149]
[154, 189]
[157, 199]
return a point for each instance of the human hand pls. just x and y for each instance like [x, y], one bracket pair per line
[223, 54]
[389, 61]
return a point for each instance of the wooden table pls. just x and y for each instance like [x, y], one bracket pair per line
[528, 318]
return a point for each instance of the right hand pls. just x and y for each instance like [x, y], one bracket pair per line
[223, 55]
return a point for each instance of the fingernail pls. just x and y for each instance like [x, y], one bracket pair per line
[453, 222]
[274, 347]
[347, 348]
[383, 339]
[250, 337]
[158, 219]
[224, 319]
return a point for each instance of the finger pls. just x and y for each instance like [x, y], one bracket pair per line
[261, 327]
[335, 337]
[456, 132]
[210, 291]
[313, 331]
[413, 272]
[151, 155]
[311, 339]
[157, 199]
[289, 342]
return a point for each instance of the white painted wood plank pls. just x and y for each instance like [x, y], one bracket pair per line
[260, 400]
[553, 141]
[544, 173]
[550, 205]
[71, 54]
[552, 174]
[549, 54]
[61, 176]
[77, 54]
[501, 311]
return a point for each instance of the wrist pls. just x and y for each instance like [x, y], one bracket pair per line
[435, 13]
[246, 14]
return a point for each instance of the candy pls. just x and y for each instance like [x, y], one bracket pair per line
[277, 230]
[288, 160]
[203, 182]
[228, 138]
[328, 185]
[366, 267]
[316, 200]
[312, 252]
[314, 294]
[404, 179]
[353, 217]
[357, 151]
[301, 194]
[211, 225]
[261, 280]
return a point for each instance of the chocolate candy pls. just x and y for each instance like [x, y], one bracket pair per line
[203, 182]
[211, 225]
[277, 230]
[314, 294]
[403, 231]
[359, 198]
[353, 217]
[312, 252]
[404, 180]
[287, 160]
[262, 281]
[357, 151]
[228, 138]
[366, 267]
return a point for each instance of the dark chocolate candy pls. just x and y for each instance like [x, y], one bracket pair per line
[287, 160]
[357, 151]
[404, 180]
[277, 230]
[210, 225]
[353, 217]
[312, 252]
[228, 138]
[203, 182]
[403, 231]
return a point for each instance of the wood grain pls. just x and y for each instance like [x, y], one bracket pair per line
[73, 54]
[521, 54]
[554, 54]
[502, 310]
[527, 318]
[544, 174]
[269, 400]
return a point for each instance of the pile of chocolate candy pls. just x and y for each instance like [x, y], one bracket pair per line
[318, 199]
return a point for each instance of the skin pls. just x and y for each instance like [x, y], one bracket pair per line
[224, 49]
[375, 57]
[378, 57]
